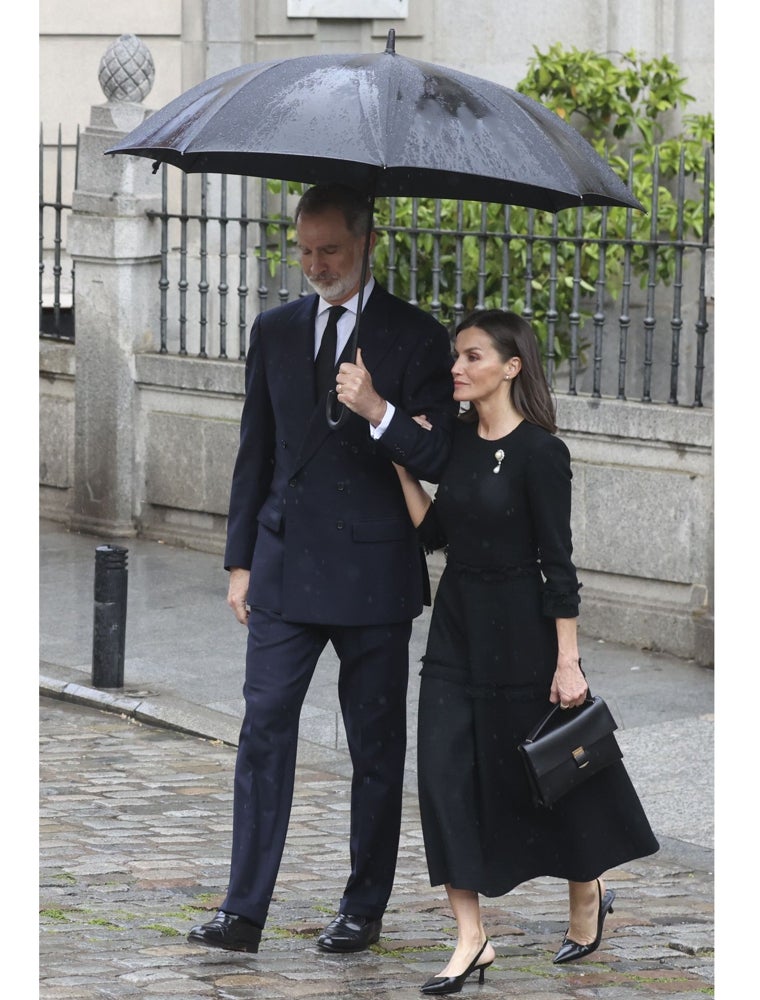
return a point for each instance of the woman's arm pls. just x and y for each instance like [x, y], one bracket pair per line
[569, 686]
[549, 484]
[417, 500]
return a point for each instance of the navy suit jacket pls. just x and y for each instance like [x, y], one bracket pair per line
[318, 514]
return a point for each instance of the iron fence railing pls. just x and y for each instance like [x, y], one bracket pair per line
[56, 277]
[620, 314]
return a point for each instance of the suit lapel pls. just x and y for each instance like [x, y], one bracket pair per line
[375, 340]
[295, 362]
[311, 413]
[375, 335]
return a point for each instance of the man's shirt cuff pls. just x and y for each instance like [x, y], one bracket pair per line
[382, 427]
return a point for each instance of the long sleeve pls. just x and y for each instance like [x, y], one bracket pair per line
[425, 387]
[430, 531]
[253, 467]
[549, 478]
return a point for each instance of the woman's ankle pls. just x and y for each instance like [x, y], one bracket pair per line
[585, 901]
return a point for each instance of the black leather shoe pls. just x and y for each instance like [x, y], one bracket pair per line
[569, 949]
[228, 931]
[441, 985]
[349, 933]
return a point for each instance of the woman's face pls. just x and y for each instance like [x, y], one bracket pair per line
[479, 370]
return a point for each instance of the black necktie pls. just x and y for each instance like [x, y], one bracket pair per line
[325, 361]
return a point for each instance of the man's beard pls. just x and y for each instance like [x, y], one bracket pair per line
[334, 288]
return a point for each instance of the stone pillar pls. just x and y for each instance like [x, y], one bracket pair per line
[116, 251]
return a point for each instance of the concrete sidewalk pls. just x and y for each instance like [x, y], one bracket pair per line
[183, 676]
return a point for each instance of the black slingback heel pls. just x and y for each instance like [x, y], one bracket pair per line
[569, 949]
[440, 985]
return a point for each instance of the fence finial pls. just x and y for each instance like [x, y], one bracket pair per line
[126, 70]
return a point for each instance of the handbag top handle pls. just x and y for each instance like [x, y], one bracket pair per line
[552, 715]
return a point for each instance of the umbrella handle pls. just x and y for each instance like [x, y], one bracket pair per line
[337, 413]
[334, 422]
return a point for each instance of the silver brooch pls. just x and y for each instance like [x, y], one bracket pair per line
[499, 456]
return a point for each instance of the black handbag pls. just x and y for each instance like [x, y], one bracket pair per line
[567, 747]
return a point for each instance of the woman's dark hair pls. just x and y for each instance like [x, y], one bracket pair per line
[514, 337]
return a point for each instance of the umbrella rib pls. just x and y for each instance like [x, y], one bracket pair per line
[211, 109]
[264, 69]
[569, 139]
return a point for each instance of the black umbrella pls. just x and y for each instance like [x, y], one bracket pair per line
[384, 124]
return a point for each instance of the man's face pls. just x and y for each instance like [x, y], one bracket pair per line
[331, 256]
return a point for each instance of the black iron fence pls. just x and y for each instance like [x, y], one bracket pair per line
[56, 277]
[621, 312]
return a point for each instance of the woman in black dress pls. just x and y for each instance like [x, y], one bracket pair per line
[503, 646]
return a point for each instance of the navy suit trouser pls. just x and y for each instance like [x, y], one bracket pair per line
[372, 685]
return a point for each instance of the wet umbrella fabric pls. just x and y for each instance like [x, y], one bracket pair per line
[384, 124]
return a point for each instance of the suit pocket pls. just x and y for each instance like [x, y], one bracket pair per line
[387, 529]
[270, 516]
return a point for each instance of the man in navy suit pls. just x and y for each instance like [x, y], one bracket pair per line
[320, 548]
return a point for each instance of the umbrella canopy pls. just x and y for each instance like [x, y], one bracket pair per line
[384, 124]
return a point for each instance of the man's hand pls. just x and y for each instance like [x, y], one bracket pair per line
[355, 390]
[237, 593]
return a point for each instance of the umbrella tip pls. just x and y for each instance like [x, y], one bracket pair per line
[390, 45]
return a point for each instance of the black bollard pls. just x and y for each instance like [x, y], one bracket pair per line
[109, 630]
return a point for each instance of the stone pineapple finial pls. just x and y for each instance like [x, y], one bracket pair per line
[126, 70]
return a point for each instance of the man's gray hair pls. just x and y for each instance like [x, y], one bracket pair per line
[352, 203]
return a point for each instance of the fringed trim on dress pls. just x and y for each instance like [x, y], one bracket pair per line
[496, 574]
[480, 692]
[561, 605]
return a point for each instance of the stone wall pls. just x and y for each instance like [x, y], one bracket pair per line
[643, 522]
[642, 489]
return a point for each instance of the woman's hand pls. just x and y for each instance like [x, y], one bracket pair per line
[569, 686]
[423, 421]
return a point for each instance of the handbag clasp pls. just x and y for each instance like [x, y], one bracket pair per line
[580, 757]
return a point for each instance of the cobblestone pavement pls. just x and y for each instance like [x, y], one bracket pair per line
[135, 823]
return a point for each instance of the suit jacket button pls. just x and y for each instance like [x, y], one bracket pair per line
[292, 483]
[340, 525]
[340, 487]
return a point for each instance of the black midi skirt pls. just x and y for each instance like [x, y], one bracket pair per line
[487, 672]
